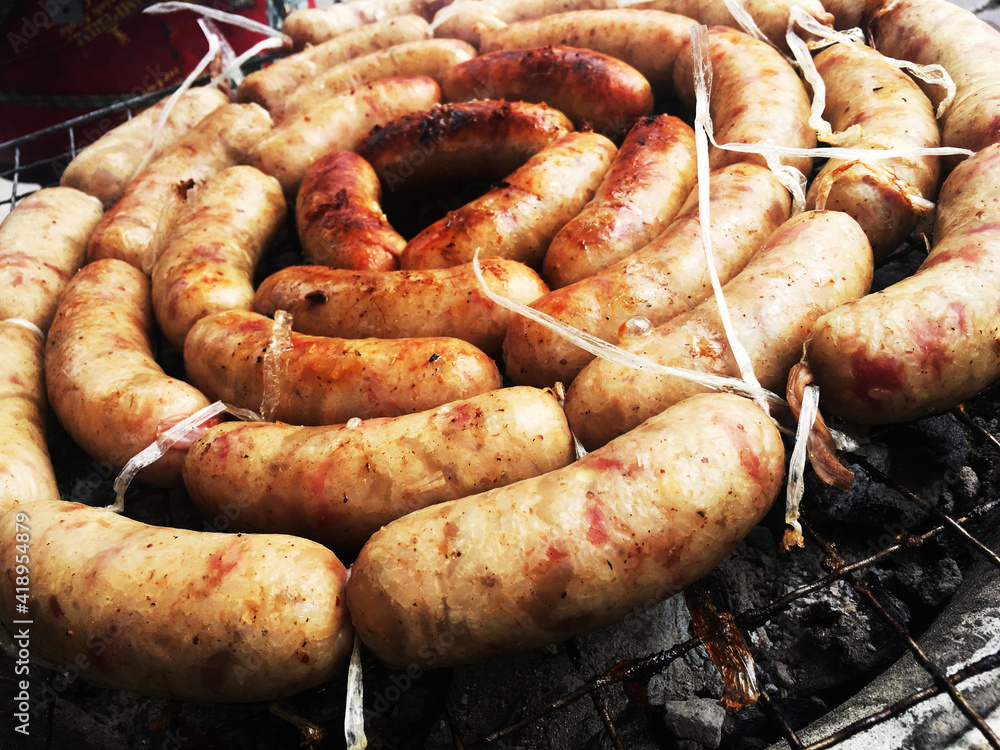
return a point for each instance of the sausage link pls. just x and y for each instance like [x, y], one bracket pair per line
[928, 342]
[224, 138]
[402, 304]
[663, 279]
[813, 263]
[460, 141]
[102, 381]
[317, 25]
[596, 91]
[339, 219]
[651, 176]
[105, 167]
[43, 242]
[518, 218]
[757, 97]
[181, 614]
[26, 471]
[888, 110]
[332, 380]
[338, 485]
[207, 264]
[270, 87]
[572, 550]
[339, 124]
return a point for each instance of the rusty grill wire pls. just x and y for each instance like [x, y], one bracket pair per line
[25, 175]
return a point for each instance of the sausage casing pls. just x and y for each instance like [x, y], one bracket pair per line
[546, 558]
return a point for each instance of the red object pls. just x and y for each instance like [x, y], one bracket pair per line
[63, 58]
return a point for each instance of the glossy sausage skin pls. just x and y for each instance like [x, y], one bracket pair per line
[813, 263]
[928, 342]
[338, 485]
[594, 90]
[339, 219]
[402, 304]
[757, 97]
[887, 110]
[103, 383]
[207, 264]
[648, 40]
[425, 57]
[43, 242]
[663, 279]
[331, 380]
[572, 550]
[224, 138]
[937, 31]
[485, 139]
[175, 613]
[270, 87]
[26, 471]
[650, 178]
[105, 167]
[318, 25]
[519, 217]
[339, 124]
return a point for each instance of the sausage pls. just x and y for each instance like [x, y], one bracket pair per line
[318, 25]
[928, 342]
[26, 471]
[519, 217]
[339, 219]
[270, 87]
[937, 31]
[428, 57]
[105, 167]
[338, 485]
[663, 279]
[572, 550]
[888, 110]
[757, 97]
[648, 40]
[651, 175]
[207, 263]
[102, 381]
[814, 262]
[175, 613]
[460, 141]
[43, 241]
[401, 304]
[594, 90]
[339, 124]
[331, 380]
[224, 138]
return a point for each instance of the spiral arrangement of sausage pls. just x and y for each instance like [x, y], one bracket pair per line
[393, 433]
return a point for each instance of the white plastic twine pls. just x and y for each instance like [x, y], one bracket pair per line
[220, 15]
[745, 21]
[275, 363]
[29, 325]
[797, 466]
[354, 716]
[166, 441]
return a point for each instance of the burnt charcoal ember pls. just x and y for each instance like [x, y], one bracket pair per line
[698, 719]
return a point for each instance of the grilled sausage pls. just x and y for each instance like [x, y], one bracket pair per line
[928, 342]
[339, 485]
[207, 264]
[814, 262]
[105, 167]
[318, 25]
[651, 176]
[43, 242]
[339, 219]
[572, 550]
[403, 304]
[518, 218]
[188, 615]
[331, 380]
[102, 381]
[665, 278]
[224, 138]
